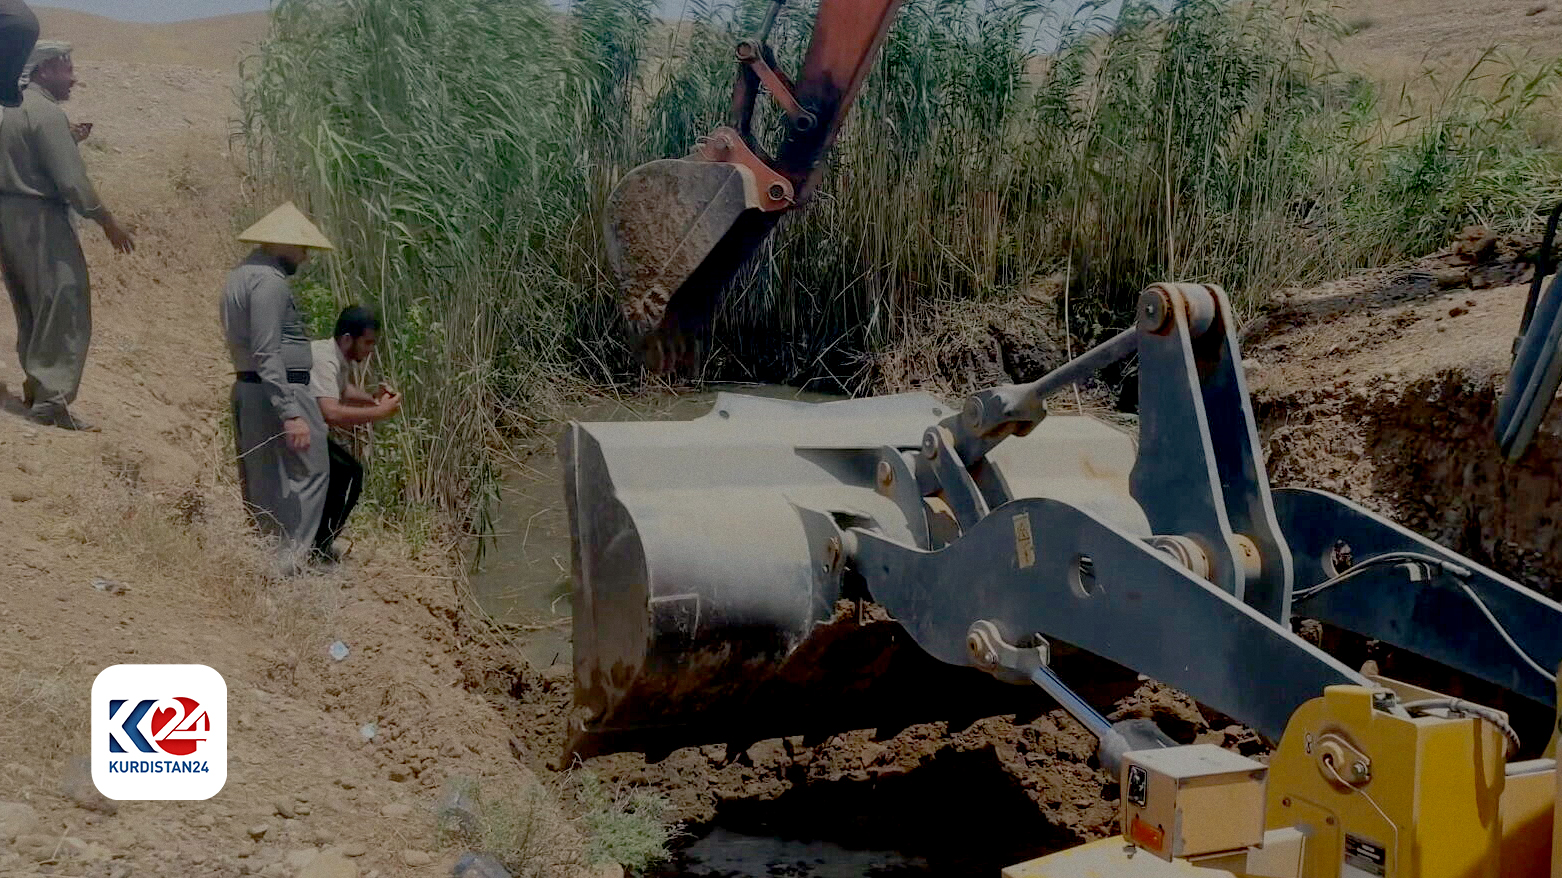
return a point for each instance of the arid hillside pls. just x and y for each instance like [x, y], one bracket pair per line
[212, 43]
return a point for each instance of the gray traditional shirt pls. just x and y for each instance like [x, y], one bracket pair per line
[40, 159]
[264, 328]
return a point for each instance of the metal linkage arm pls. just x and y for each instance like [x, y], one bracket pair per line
[1085, 582]
[1199, 476]
[1455, 612]
[992, 415]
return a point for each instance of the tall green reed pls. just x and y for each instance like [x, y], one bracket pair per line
[461, 152]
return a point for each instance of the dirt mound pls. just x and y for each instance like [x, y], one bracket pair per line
[966, 346]
[1383, 388]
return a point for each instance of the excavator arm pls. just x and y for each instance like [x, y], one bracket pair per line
[677, 230]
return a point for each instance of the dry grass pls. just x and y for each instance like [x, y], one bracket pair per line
[201, 535]
[42, 711]
[522, 828]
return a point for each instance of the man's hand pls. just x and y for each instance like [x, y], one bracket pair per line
[81, 131]
[118, 236]
[296, 430]
[390, 403]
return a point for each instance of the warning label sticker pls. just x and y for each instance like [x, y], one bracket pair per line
[1364, 858]
[1024, 544]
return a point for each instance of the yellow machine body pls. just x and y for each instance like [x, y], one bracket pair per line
[1359, 792]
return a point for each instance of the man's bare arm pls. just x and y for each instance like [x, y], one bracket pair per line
[340, 414]
[356, 396]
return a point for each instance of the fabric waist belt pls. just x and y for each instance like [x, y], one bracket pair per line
[294, 376]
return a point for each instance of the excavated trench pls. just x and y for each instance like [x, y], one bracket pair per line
[957, 813]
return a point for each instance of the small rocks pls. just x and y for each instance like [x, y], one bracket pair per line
[110, 586]
[1458, 311]
[16, 819]
[396, 811]
[203, 821]
[300, 857]
[1475, 243]
[275, 870]
[78, 787]
[21, 497]
[479, 866]
[416, 858]
[458, 812]
[122, 840]
[284, 809]
[35, 846]
[258, 831]
[330, 864]
[399, 773]
[1450, 278]
[355, 849]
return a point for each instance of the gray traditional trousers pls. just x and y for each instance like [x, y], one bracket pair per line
[283, 489]
[46, 275]
[42, 177]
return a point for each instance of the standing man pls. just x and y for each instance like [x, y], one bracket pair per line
[42, 177]
[345, 405]
[283, 464]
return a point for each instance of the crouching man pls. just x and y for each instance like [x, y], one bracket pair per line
[345, 405]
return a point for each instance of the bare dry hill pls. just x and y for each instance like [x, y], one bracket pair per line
[215, 43]
[1399, 42]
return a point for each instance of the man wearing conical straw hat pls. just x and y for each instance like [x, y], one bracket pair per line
[284, 463]
[42, 179]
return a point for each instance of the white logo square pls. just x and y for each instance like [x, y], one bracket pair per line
[159, 732]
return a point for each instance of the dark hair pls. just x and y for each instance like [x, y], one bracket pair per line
[355, 321]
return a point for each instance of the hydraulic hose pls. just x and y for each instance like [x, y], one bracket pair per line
[1465, 708]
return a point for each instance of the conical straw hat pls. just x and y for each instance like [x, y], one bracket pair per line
[286, 225]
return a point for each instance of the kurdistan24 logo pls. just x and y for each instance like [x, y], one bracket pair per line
[172, 726]
[159, 732]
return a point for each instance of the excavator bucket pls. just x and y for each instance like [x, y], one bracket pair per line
[709, 606]
[663, 220]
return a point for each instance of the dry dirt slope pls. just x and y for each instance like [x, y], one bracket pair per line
[147, 510]
[210, 43]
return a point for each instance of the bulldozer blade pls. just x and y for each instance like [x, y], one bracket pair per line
[708, 607]
[663, 220]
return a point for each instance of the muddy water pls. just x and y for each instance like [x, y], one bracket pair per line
[522, 575]
[522, 579]
[727, 852]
